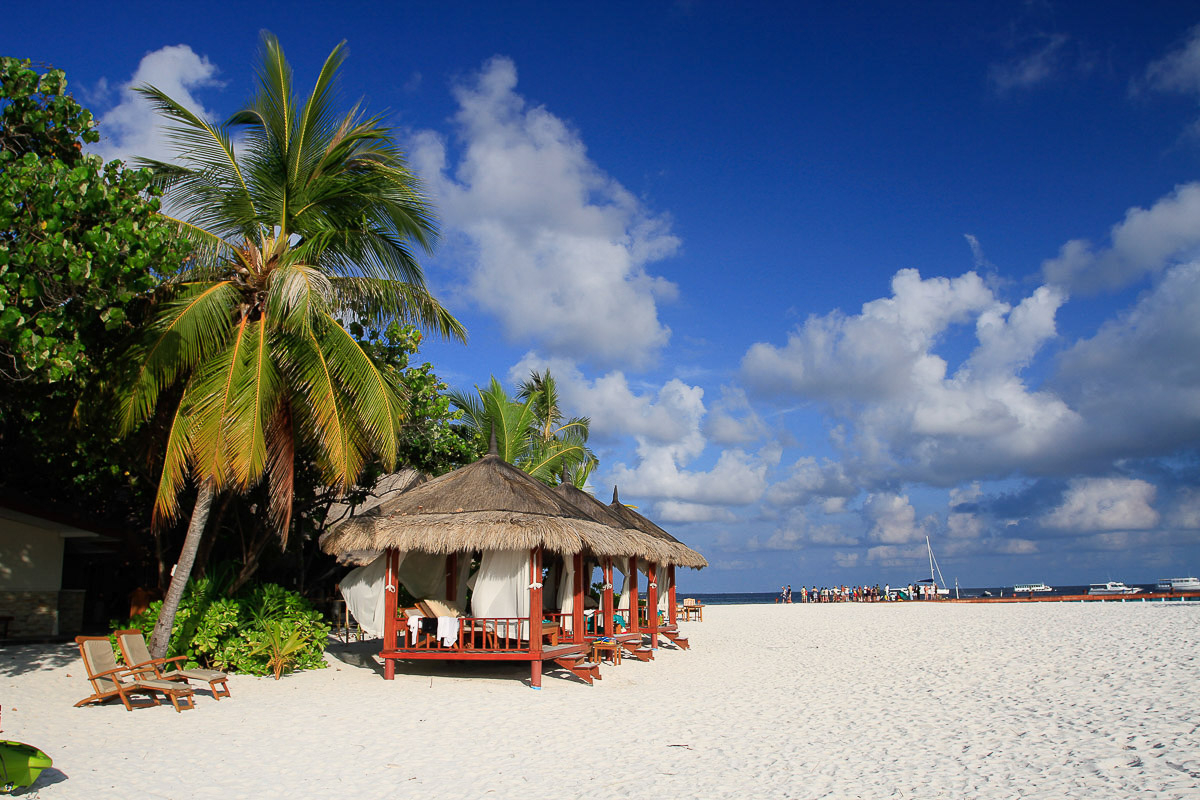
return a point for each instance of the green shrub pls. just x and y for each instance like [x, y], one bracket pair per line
[229, 633]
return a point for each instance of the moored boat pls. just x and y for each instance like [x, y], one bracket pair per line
[1179, 585]
[1023, 588]
[1112, 587]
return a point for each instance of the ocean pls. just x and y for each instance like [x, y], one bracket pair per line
[756, 598]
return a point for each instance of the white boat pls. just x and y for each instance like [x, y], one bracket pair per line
[1112, 587]
[935, 579]
[1024, 588]
[1179, 585]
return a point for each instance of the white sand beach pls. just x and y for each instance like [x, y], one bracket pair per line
[1047, 700]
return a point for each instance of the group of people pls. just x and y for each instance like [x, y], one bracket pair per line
[858, 594]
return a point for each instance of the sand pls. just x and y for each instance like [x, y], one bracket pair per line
[1046, 700]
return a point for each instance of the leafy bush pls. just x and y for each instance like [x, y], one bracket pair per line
[233, 634]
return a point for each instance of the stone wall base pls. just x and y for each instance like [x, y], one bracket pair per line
[49, 613]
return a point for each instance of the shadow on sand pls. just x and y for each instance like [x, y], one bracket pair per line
[365, 655]
[21, 659]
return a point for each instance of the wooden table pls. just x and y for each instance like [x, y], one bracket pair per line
[612, 648]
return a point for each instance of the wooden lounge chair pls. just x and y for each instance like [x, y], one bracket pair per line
[137, 657]
[109, 680]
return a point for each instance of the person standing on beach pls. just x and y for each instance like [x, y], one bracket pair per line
[787, 594]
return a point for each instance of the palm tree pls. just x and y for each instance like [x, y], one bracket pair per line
[530, 430]
[310, 225]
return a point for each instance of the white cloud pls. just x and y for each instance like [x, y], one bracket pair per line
[132, 128]
[1141, 244]
[811, 480]
[1179, 70]
[900, 413]
[892, 518]
[1136, 382]
[558, 248]
[1035, 67]
[964, 526]
[676, 511]
[736, 479]
[1105, 504]
[1186, 512]
[732, 420]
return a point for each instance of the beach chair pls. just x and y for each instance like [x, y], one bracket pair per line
[137, 657]
[109, 680]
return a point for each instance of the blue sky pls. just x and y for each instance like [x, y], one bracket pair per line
[829, 278]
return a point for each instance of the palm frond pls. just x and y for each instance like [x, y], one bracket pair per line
[182, 335]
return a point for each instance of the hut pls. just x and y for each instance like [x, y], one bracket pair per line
[678, 554]
[515, 525]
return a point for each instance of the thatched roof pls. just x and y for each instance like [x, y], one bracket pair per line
[486, 505]
[645, 546]
[681, 554]
[344, 508]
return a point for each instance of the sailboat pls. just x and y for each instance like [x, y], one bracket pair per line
[935, 573]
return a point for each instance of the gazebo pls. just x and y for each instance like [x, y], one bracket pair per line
[428, 535]
[678, 554]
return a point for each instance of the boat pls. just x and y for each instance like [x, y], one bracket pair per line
[20, 765]
[1179, 585]
[1025, 588]
[935, 579]
[1112, 587]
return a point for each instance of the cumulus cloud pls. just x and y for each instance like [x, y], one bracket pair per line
[1105, 504]
[810, 480]
[903, 414]
[1137, 381]
[132, 128]
[558, 249]
[676, 511]
[892, 518]
[733, 420]
[1143, 243]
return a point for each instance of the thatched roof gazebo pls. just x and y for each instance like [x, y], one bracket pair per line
[680, 553]
[493, 508]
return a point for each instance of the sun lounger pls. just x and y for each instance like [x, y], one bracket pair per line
[109, 680]
[137, 657]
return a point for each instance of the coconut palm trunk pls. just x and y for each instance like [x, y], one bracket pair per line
[161, 637]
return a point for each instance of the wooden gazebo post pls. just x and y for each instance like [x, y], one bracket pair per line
[634, 627]
[609, 610]
[577, 601]
[535, 616]
[672, 616]
[390, 593]
[652, 603]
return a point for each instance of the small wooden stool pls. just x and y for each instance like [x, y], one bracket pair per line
[612, 648]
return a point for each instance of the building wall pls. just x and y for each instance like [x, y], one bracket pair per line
[31, 558]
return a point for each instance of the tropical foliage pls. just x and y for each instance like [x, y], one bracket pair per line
[79, 239]
[530, 430]
[236, 633]
[314, 222]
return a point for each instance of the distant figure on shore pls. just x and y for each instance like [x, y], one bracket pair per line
[787, 594]
[782, 595]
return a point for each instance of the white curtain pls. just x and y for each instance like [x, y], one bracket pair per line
[363, 591]
[664, 590]
[424, 575]
[566, 592]
[501, 587]
[623, 603]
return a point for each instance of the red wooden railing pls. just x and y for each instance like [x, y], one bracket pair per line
[493, 634]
